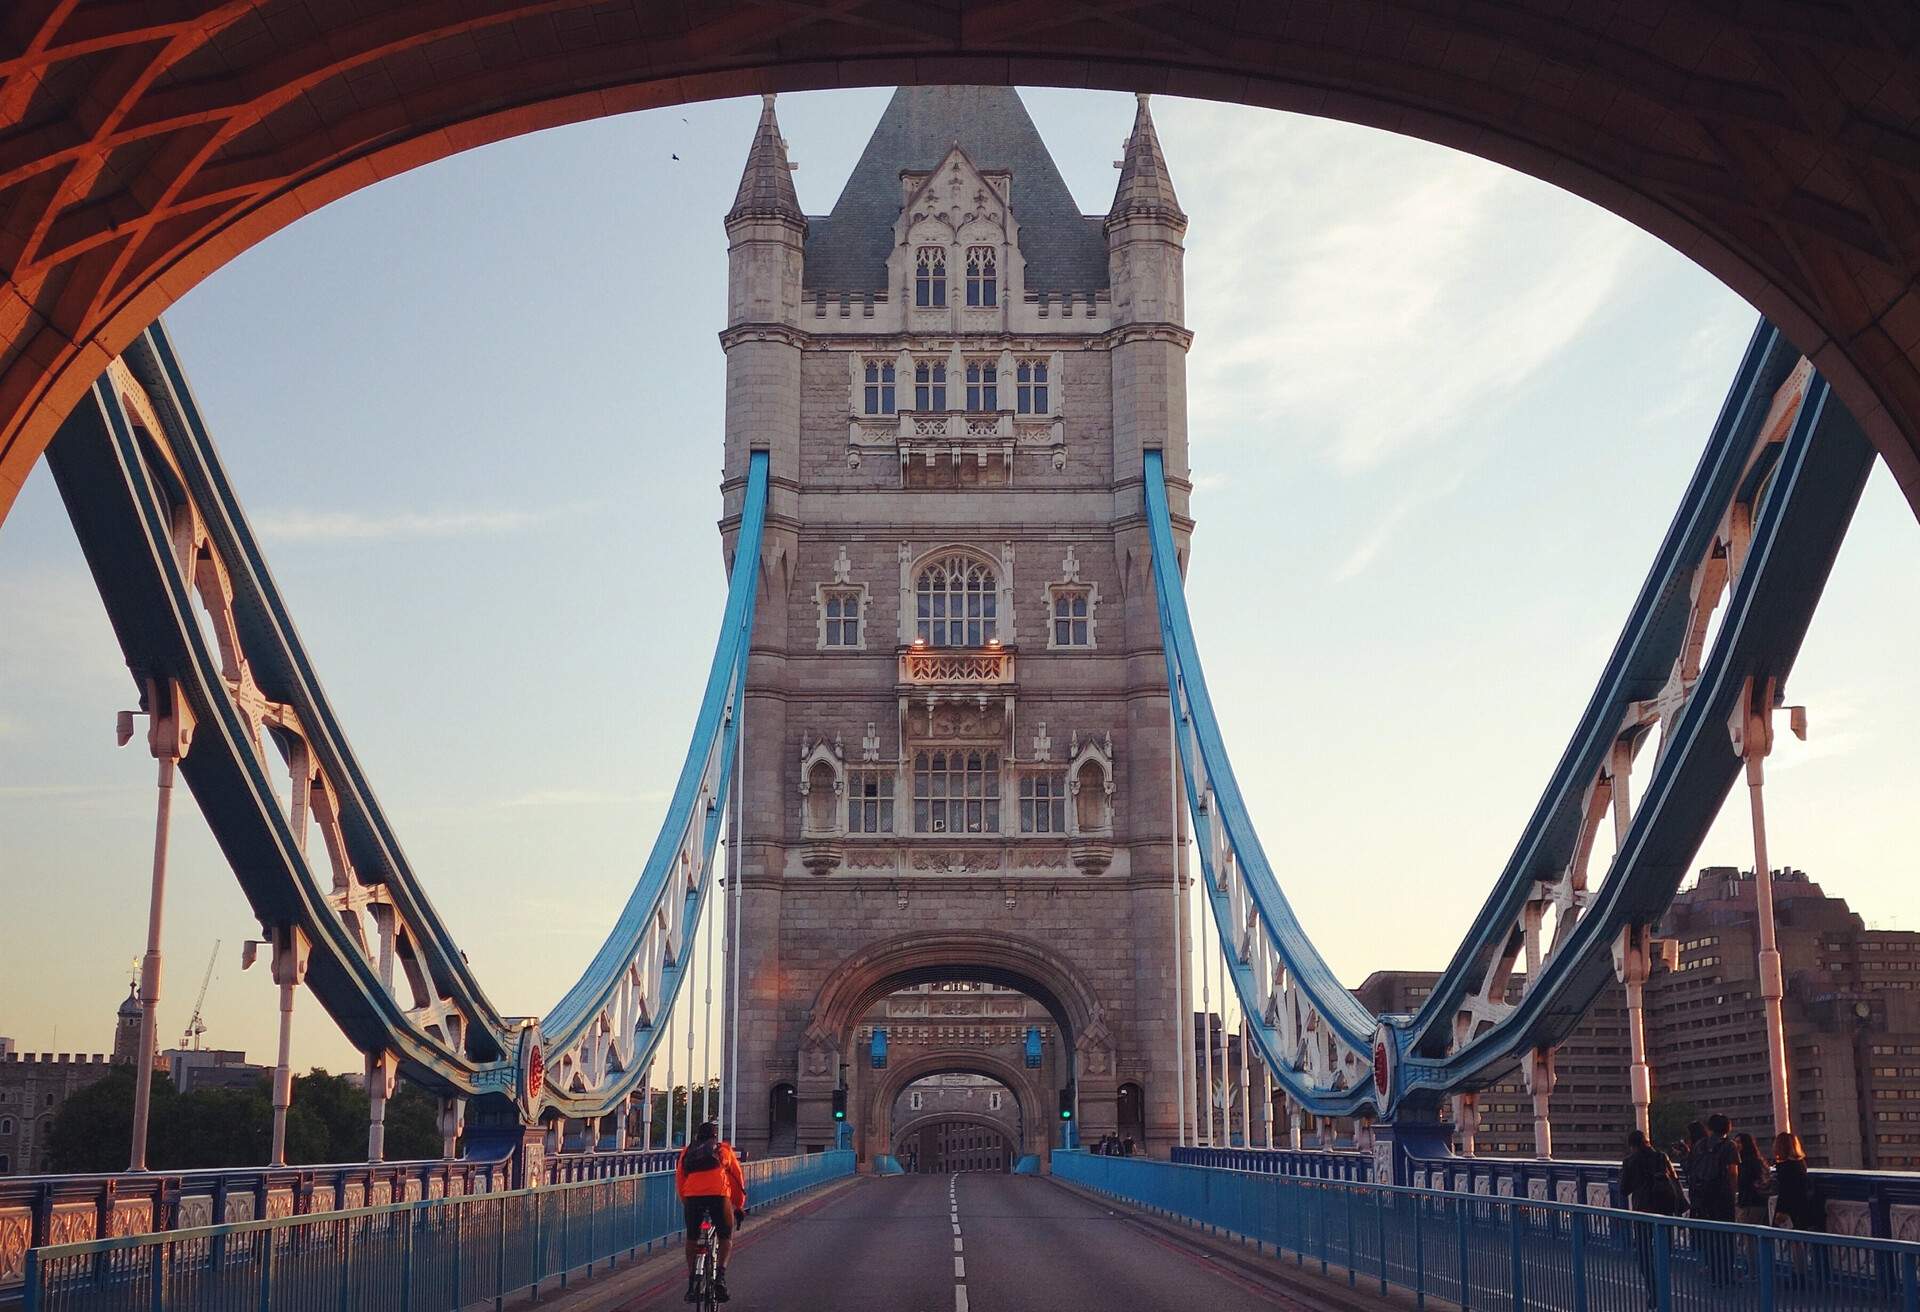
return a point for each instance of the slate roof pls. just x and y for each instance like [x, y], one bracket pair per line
[766, 184]
[847, 250]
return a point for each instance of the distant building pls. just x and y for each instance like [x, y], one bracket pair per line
[33, 1085]
[194, 1069]
[1852, 1018]
[1852, 1010]
[1592, 1105]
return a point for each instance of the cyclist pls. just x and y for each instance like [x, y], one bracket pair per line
[711, 1188]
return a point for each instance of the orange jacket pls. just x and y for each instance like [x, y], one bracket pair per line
[724, 1180]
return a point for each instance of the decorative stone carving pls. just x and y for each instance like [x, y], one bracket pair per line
[1041, 858]
[130, 1216]
[71, 1225]
[956, 863]
[16, 1234]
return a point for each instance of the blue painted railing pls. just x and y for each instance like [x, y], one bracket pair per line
[1305, 1163]
[436, 1256]
[1515, 1255]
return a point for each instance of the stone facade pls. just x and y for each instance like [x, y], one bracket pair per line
[956, 729]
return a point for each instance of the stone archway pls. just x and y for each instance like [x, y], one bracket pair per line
[873, 1111]
[868, 975]
[142, 148]
[907, 1129]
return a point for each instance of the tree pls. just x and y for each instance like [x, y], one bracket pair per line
[93, 1129]
[1667, 1119]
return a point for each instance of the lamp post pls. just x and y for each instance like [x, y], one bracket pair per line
[1751, 729]
[169, 735]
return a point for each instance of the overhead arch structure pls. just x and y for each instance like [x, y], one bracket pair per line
[144, 145]
[1711, 638]
[208, 636]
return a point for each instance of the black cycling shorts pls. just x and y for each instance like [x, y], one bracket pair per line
[711, 1207]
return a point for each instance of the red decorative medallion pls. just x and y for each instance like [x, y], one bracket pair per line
[536, 1072]
[1382, 1071]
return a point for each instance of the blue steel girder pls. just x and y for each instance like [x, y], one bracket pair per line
[1762, 519]
[163, 533]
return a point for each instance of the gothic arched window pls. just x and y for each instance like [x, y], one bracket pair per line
[879, 386]
[930, 277]
[930, 385]
[956, 791]
[958, 603]
[983, 276]
[983, 385]
[1030, 387]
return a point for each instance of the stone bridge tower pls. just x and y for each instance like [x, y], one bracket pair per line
[957, 759]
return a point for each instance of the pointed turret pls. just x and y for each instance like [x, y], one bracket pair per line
[1146, 188]
[766, 184]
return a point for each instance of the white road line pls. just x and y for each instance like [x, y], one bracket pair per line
[959, 1268]
[956, 1243]
[959, 1263]
[959, 1298]
[956, 1227]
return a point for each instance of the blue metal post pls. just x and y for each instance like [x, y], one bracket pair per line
[1519, 1270]
[500, 1258]
[1579, 1261]
[1662, 1267]
[407, 1231]
[31, 1297]
[1380, 1233]
[1460, 1224]
[346, 1266]
[1910, 1283]
[266, 1270]
[1352, 1279]
[1419, 1252]
[1763, 1255]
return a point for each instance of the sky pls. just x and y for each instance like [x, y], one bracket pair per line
[1440, 416]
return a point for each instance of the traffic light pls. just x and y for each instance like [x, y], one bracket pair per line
[1066, 1103]
[839, 1104]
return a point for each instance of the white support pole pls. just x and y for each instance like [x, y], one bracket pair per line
[1540, 1079]
[289, 966]
[1226, 1069]
[1246, 1082]
[646, 1111]
[1751, 727]
[1182, 1010]
[169, 735]
[1206, 1020]
[706, 1047]
[1632, 963]
[736, 861]
[383, 1069]
[689, 1116]
[453, 1119]
[667, 1139]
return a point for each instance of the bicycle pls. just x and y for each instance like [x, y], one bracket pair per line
[703, 1263]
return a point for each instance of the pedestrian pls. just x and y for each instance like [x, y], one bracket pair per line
[1754, 1183]
[1648, 1183]
[1798, 1205]
[1126, 1146]
[1713, 1174]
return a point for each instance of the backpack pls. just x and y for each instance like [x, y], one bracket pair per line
[702, 1155]
[1663, 1191]
[1708, 1168]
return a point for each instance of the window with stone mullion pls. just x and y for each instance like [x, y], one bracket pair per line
[983, 277]
[983, 385]
[958, 603]
[1043, 802]
[879, 395]
[870, 801]
[956, 791]
[930, 277]
[1070, 618]
[1030, 387]
[930, 385]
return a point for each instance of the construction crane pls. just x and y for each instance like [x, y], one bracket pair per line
[196, 1027]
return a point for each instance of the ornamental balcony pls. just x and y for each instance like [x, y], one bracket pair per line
[957, 667]
[966, 446]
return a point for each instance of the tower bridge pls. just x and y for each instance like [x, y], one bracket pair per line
[958, 735]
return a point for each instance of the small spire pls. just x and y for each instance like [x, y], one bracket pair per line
[766, 184]
[1145, 186]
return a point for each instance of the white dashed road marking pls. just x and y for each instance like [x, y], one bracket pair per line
[959, 1263]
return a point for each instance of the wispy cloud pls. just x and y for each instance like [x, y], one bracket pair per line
[1403, 507]
[579, 797]
[1367, 296]
[363, 526]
